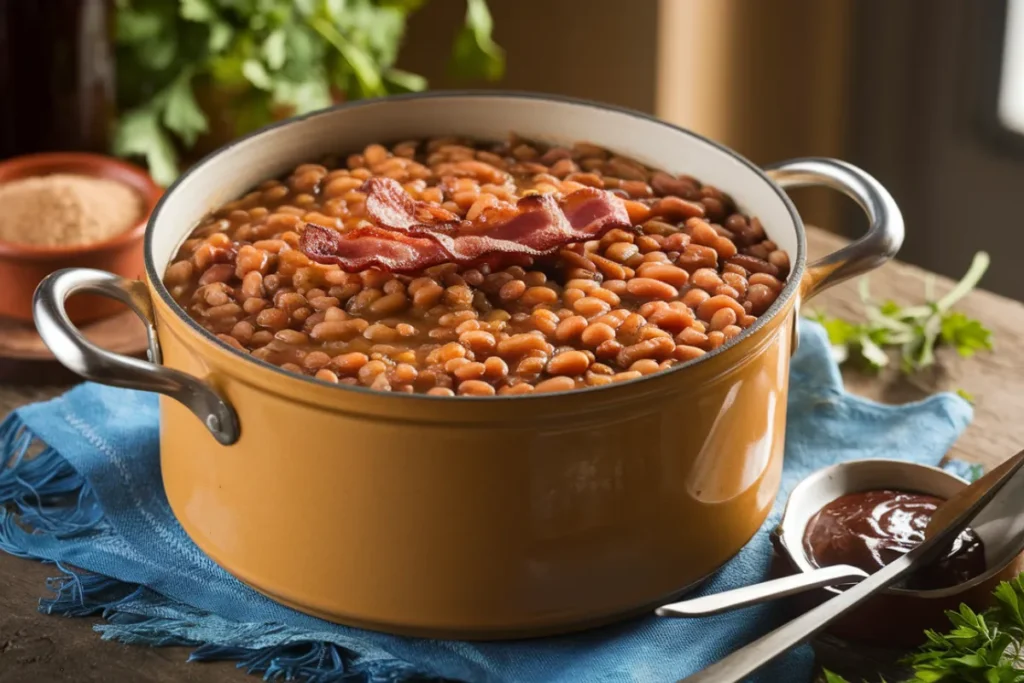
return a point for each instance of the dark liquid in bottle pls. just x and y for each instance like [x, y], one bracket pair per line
[56, 76]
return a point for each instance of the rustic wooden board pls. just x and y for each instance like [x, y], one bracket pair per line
[24, 358]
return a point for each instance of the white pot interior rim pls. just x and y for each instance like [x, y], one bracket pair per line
[234, 169]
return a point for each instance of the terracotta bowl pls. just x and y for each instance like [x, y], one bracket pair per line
[895, 617]
[23, 266]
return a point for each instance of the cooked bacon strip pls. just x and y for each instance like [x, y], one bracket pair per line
[410, 236]
[390, 206]
[371, 247]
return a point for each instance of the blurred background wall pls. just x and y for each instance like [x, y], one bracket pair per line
[906, 89]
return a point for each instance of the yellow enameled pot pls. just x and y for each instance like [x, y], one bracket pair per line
[469, 517]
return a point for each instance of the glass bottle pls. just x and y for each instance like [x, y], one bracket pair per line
[56, 76]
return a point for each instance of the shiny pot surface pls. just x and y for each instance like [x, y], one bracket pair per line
[461, 516]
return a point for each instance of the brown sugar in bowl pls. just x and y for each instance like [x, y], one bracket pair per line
[23, 266]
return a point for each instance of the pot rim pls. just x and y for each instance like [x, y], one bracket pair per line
[789, 291]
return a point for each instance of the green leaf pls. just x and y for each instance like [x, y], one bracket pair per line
[833, 678]
[137, 25]
[872, 352]
[220, 36]
[362, 66]
[139, 134]
[970, 280]
[197, 10]
[965, 334]
[398, 81]
[257, 74]
[1009, 600]
[475, 54]
[965, 395]
[274, 51]
[303, 97]
[182, 114]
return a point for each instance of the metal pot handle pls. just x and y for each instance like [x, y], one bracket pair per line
[885, 231]
[83, 357]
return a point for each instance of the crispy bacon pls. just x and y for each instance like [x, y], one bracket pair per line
[410, 235]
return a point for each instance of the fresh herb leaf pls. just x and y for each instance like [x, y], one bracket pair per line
[266, 59]
[257, 74]
[980, 648]
[198, 10]
[915, 330]
[274, 50]
[965, 395]
[964, 334]
[182, 114]
[475, 54]
[140, 134]
[396, 80]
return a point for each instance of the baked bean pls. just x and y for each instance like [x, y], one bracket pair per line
[696, 256]
[737, 282]
[597, 333]
[621, 251]
[677, 209]
[555, 384]
[649, 288]
[760, 297]
[590, 306]
[645, 366]
[272, 318]
[538, 295]
[691, 275]
[711, 306]
[221, 272]
[664, 184]
[335, 330]
[755, 265]
[677, 277]
[624, 376]
[691, 336]
[723, 318]
[569, 363]
[706, 278]
[684, 352]
[519, 344]
[767, 280]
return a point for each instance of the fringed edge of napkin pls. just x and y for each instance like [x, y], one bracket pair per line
[45, 495]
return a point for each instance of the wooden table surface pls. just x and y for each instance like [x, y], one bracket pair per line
[39, 648]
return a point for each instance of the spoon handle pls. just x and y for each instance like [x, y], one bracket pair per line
[761, 592]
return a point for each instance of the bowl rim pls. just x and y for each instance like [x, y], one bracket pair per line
[789, 291]
[814, 477]
[46, 163]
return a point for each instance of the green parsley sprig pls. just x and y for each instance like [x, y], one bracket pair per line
[981, 647]
[263, 58]
[915, 330]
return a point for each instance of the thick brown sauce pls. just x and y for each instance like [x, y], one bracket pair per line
[872, 529]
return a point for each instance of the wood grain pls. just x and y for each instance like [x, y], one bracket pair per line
[34, 647]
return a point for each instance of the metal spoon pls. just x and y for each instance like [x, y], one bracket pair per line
[762, 592]
[1004, 503]
[962, 500]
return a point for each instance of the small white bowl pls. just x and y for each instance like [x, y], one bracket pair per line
[897, 615]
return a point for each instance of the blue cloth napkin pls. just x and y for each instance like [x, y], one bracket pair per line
[92, 502]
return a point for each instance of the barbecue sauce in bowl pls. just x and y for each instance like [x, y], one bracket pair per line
[871, 529]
